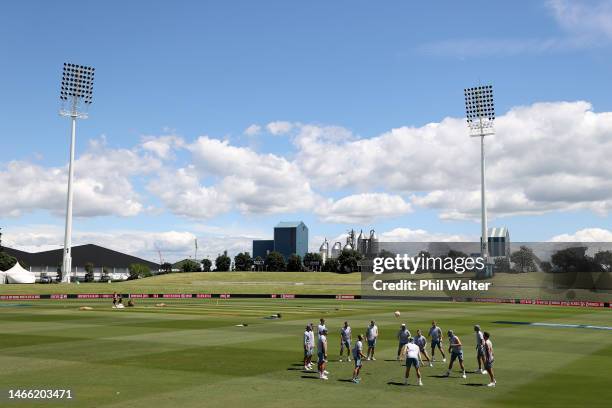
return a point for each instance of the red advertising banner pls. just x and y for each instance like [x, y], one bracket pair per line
[542, 302]
[19, 297]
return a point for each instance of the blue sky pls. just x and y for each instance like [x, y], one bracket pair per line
[169, 73]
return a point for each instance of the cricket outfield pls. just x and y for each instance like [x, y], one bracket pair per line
[192, 353]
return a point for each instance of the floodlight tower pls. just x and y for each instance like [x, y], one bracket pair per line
[75, 95]
[480, 114]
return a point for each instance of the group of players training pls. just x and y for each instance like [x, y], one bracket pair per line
[411, 349]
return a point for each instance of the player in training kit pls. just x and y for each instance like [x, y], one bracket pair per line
[308, 347]
[322, 349]
[321, 326]
[421, 341]
[371, 336]
[345, 341]
[488, 352]
[413, 358]
[436, 341]
[456, 349]
[480, 356]
[402, 336]
[357, 356]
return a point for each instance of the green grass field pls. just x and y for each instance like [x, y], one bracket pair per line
[191, 354]
[528, 285]
[212, 282]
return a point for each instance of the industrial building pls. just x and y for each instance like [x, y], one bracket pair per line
[499, 242]
[364, 244]
[262, 247]
[290, 237]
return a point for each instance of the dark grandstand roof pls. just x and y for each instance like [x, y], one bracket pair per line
[81, 254]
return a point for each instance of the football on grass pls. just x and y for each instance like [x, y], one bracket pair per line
[397, 313]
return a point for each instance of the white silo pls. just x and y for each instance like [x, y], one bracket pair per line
[362, 243]
[373, 243]
[324, 250]
[336, 249]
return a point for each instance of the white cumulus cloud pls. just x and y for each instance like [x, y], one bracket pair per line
[279, 127]
[252, 130]
[362, 208]
[585, 235]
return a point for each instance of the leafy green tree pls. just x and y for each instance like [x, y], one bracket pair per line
[424, 268]
[6, 261]
[456, 254]
[384, 253]
[313, 261]
[348, 261]
[331, 265]
[524, 260]
[223, 262]
[501, 265]
[259, 263]
[294, 264]
[139, 271]
[89, 272]
[243, 261]
[206, 265]
[275, 262]
[166, 267]
[604, 258]
[546, 266]
[575, 260]
[105, 275]
[189, 265]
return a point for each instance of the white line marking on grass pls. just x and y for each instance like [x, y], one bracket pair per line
[560, 325]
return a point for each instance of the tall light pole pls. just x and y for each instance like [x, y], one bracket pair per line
[480, 114]
[75, 95]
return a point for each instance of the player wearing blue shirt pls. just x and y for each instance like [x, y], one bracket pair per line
[436, 341]
[456, 349]
[402, 336]
[421, 341]
[357, 356]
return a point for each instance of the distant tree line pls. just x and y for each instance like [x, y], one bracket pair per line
[347, 262]
[574, 259]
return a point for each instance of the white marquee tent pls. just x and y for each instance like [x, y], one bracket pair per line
[18, 275]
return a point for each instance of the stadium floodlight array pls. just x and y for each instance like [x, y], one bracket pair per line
[480, 115]
[480, 109]
[75, 95]
[76, 90]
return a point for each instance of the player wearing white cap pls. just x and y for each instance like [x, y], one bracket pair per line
[402, 336]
